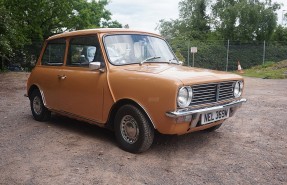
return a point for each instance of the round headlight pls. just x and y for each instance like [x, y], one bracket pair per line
[184, 96]
[238, 89]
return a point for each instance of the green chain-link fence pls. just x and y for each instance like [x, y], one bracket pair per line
[220, 55]
[210, 54]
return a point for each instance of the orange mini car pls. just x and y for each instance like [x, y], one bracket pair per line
[131, 82]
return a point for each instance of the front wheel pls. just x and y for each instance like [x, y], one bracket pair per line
[39, 111]
[133, 130]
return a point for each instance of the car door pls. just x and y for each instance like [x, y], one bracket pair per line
[50, 68]
[81, 88]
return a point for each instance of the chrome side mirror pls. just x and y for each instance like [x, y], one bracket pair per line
[96, 66]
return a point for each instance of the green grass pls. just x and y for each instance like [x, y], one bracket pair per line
[269, 70]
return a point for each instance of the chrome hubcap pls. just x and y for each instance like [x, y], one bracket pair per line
[129, 129]
[37, 105]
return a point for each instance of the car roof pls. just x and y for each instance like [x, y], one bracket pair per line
[98, 30]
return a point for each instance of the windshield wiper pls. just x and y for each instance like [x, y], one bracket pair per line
[150, 58]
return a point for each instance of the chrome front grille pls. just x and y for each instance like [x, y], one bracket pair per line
[226, 90]
[212, 92]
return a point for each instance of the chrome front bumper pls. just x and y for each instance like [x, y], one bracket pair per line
[180, 113]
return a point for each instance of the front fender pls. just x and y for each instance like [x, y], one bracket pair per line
[154, 93]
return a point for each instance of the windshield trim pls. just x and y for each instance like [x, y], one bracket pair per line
[169, 47]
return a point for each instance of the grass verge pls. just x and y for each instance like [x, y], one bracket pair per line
[269, 70]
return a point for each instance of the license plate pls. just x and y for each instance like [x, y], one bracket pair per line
[209, 117]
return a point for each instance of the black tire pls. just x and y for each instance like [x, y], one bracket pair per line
[39, 111]
[211, 129]
[133, 130]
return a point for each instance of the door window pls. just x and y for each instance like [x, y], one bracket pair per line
[54, 52]
[84, 50]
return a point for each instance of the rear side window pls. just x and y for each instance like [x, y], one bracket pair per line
[54, 52]
[84, 50]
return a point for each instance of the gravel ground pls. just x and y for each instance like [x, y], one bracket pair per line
[250, 148]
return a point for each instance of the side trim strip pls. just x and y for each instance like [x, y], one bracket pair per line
[147, 115]
[178, 113]
[43, 97]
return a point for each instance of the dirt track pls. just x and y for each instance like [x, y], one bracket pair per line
[250, 148]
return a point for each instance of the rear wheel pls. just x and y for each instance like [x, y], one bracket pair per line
[39, 111]
[133, 130]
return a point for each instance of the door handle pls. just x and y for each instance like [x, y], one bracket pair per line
[62, 77]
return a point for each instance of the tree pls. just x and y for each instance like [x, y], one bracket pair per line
[111, 24]
[192, 23]
[225, 17]
[169, 29]
[25, 24]
[236, 20]
[10, 36]
[280, 34]
[42, 18]
[179, 56]
[245, 20]
[193, 16]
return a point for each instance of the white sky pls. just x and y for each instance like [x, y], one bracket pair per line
[145, 14]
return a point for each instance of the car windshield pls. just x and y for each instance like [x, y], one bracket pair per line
[133, 48]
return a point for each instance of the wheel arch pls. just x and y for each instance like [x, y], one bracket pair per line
[31, 89]
[34, 87]
[118, 105]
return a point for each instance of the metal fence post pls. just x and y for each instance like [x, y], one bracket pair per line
[188, 53]
[192, 59]
[227, 55]
[264, 48]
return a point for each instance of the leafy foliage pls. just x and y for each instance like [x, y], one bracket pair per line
[246, 23]
[193, 16]
[245, 20]
[25, 24]
[280, 34]
[192, 24]
[10, 34]
[179, 56]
